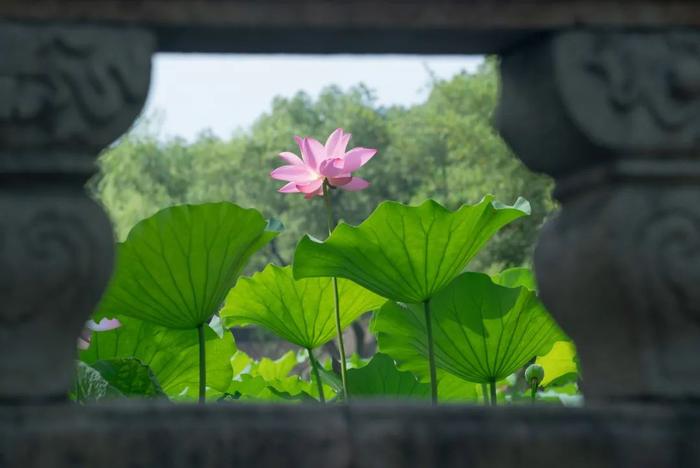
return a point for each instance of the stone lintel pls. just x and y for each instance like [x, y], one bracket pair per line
[361, 26]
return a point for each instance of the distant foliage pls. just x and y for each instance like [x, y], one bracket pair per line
[444, 149]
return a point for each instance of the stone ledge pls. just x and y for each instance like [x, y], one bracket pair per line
[458, 14]
[362, 26]
[362, 435]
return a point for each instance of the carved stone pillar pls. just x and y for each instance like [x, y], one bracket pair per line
[65, 93]
[614, 116]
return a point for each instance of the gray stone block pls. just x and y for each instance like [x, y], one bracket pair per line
[381, 435]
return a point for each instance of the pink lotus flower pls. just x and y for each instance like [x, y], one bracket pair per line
[92, 326]
[320, 163]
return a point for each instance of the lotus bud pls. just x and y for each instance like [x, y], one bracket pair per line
[534, 374]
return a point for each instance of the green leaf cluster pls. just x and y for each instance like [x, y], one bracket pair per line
[299, 311]
[483, 331]
[170, 354]
[270, 380]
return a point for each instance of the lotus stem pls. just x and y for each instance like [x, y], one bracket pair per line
[339, 330]
[534, 374]
[492, 386]
[485, 393]
[341, 343]
[317, 375]
[431, 353]
[202, 364]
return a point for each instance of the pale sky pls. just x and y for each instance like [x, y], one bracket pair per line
[191, 93]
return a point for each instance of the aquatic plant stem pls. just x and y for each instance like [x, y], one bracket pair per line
[341, 343]
[431, 353]
[485, 394]
[202, 364]
[492, 386]
[317, 375]
[533, 392]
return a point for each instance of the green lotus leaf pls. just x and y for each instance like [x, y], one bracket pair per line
[559, 364]
[452, 389]
[381, 379]
[171, 354]
[241, 363]
[406, 253]
[482, 331]
[271, 369]
[329, 377]
[515, 277]
[90, 386]
[270, 380]
[299, 311]
[130, 376]
[258, 389]
[176, 267]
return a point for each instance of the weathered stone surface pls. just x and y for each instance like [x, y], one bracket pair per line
[326, 26]
[474, 14]
[369, 435]
[69, 90]
[628, 255]
[615, 118]
[56, 258]
[65, 93]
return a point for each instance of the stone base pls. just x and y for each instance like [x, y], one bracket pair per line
[152, 435]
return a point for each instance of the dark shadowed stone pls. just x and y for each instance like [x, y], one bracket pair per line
[364, 435]
[361, 26]
[65, 93]
[615, 118]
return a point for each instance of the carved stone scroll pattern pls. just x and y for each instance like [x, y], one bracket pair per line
[673, 241]
[78, 87]
[56, 254]
[48, 253]
[662, 253]
[642, 88]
